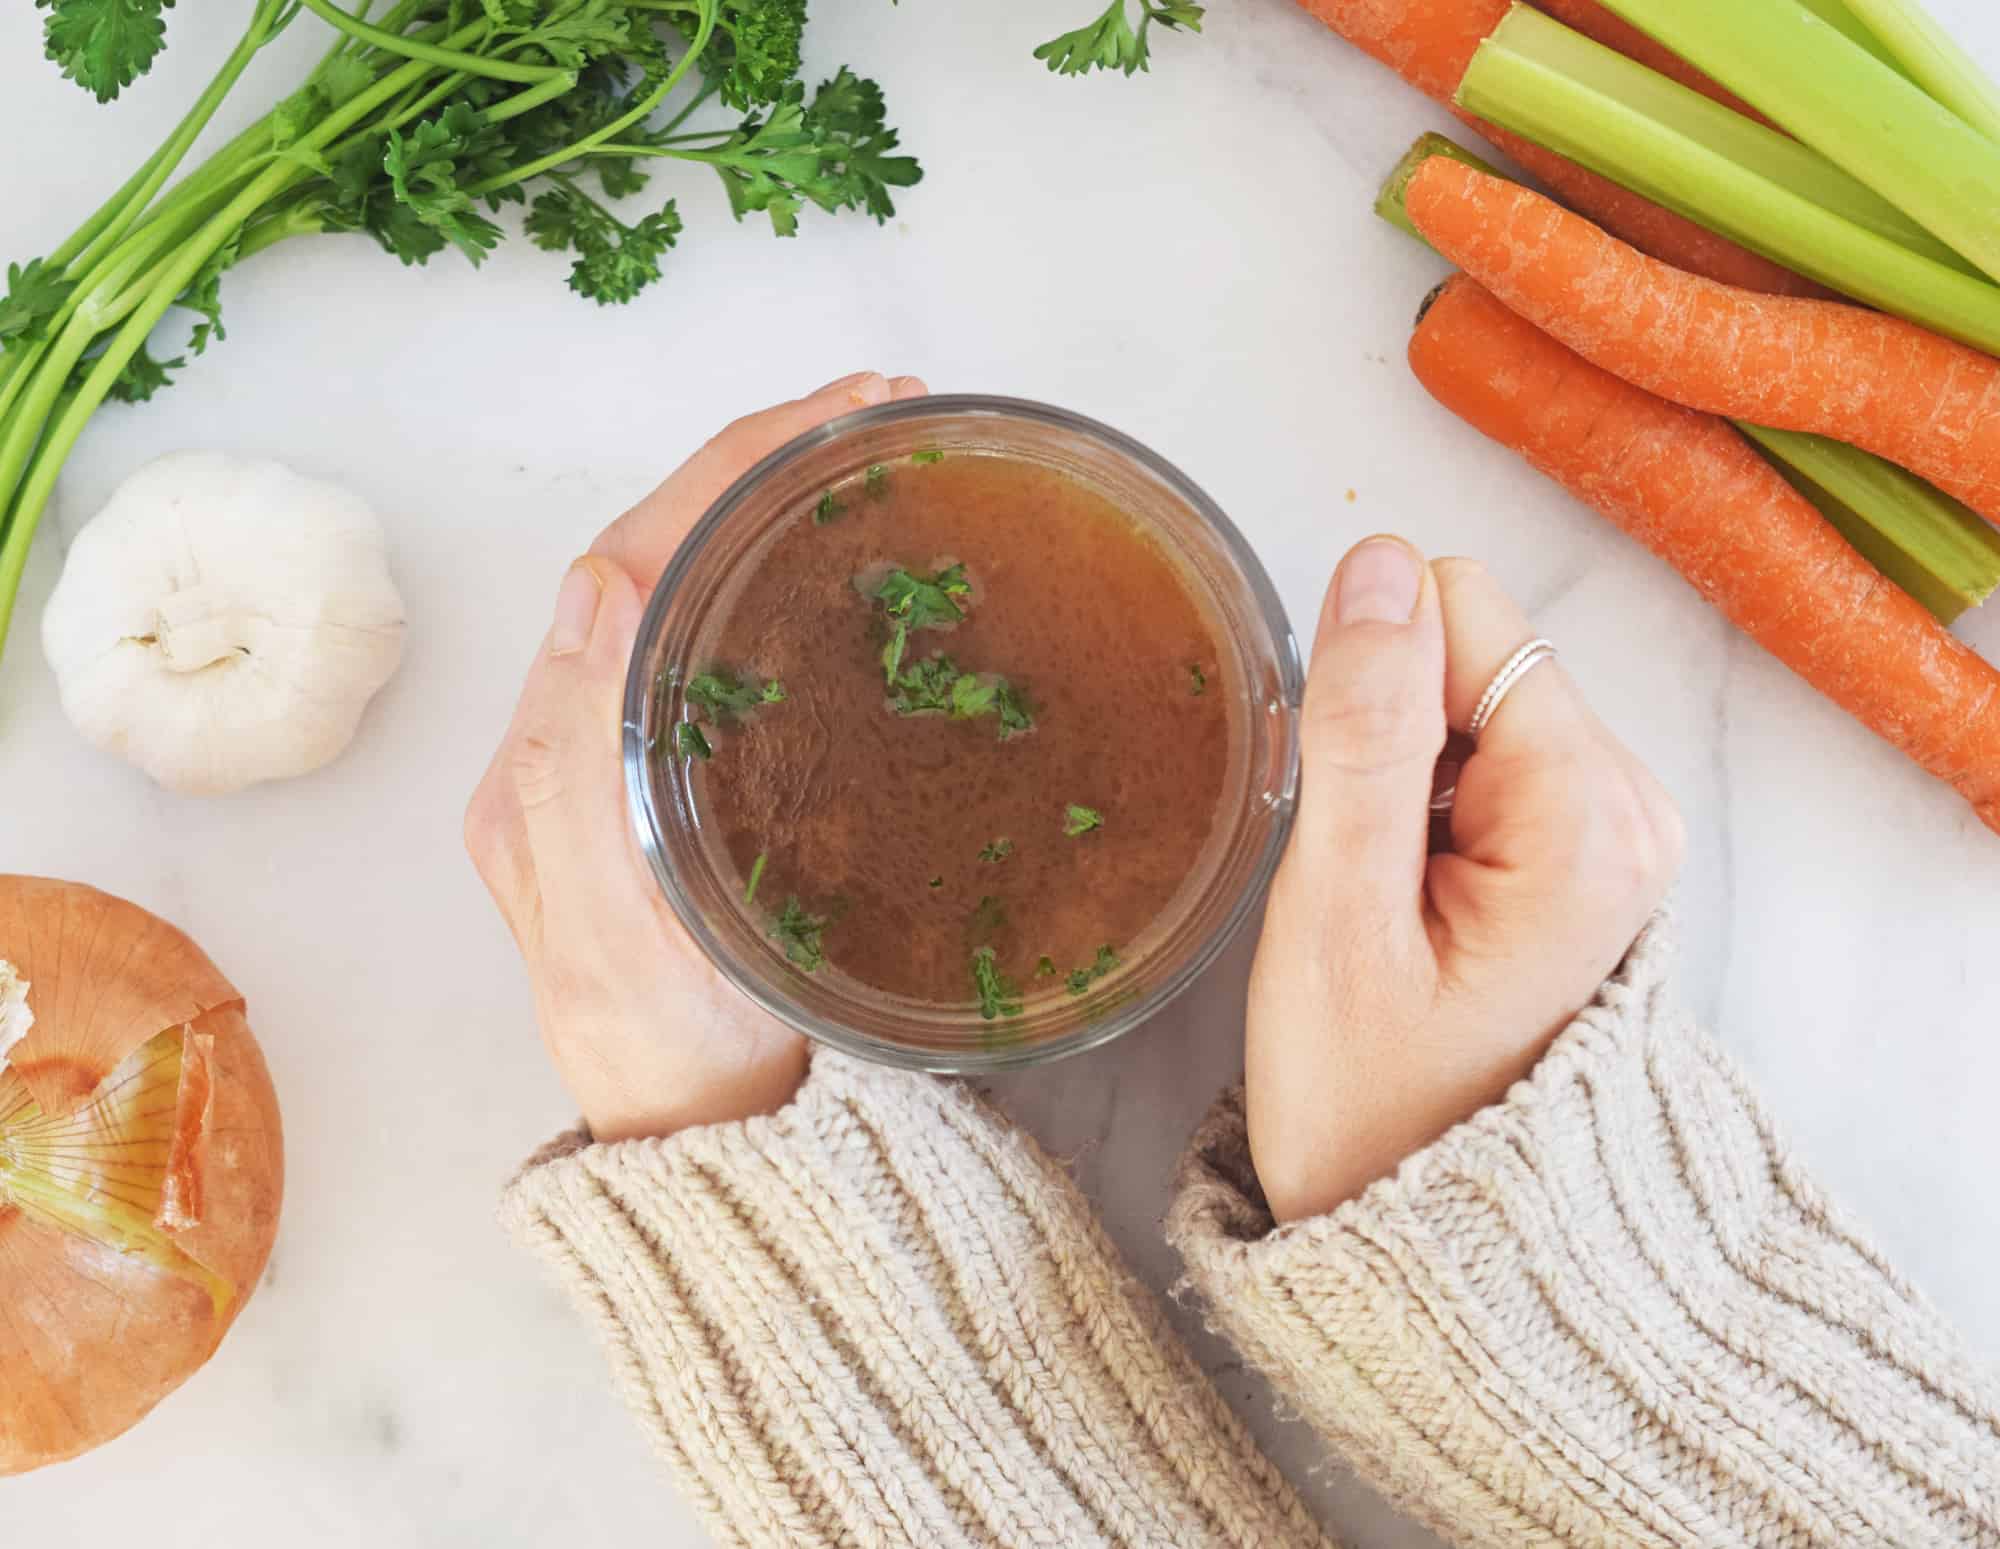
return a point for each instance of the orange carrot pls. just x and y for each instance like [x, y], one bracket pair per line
[1690, 488]
[1594, 22]
[1430, 42]
[1871, 380]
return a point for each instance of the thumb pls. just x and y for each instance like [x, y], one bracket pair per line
[1373, 727]
[567, 753]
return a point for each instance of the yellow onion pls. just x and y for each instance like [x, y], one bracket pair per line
[141, 1166]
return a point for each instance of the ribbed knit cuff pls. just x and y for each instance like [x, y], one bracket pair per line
[881, 1316]
[1611, 1309]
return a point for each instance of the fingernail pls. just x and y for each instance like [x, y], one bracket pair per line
[842, 381]
[576, 610]
[1380, 581]
[907, 387]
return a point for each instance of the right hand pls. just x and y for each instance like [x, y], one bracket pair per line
[1396, 991]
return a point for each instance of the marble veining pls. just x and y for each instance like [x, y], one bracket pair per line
[1189, 255]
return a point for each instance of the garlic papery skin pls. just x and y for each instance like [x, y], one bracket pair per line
[16, 1020]
[223, 622]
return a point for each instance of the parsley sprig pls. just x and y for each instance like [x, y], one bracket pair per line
[998, 995]
[721, 698]
[418, 127]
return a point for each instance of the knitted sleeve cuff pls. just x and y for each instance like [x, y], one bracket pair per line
[881, 1316]
[1611, 1309]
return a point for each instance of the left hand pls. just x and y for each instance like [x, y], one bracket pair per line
[646, 1034]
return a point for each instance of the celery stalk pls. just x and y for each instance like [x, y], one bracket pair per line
[1935, 548]
[1389, 203]
[1539, 79]
[1939, 550]
[1819, 85]
[1842, 19]
[1925, 52]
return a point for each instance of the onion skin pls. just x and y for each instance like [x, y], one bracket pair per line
[91, 1337]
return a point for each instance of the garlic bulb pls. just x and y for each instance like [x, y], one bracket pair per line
[222, 622]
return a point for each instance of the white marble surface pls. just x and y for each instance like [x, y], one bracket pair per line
[1188, 255]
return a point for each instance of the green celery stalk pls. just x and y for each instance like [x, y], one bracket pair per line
[1818, 84]
[1939, 550]
[1389, 203]
[1925, 52]
[1536, 77]
[1842, 19]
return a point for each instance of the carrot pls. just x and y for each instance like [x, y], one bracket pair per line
[1430, 42]
[1871, 380]
[1593, 21]
[1689, 488]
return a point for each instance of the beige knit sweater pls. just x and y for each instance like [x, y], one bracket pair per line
[1609, 1310]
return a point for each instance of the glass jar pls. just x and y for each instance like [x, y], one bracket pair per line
[1260, 671]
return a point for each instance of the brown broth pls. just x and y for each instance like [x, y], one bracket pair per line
[857, 808]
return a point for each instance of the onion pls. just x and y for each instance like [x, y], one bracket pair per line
[141, 1166]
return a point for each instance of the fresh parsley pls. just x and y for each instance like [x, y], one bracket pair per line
[827, 509]
[998, 995]
[1111, 42]
[418, 127]
[1197, 679]
[1045, 967]
[935, 686]
[1080, 820]
[988, 916]
[876, 481]
[724, 696]
[799, 934]
[928, 455]
[756, 876]
[1081, 979]
[997, 851]
[689, 742]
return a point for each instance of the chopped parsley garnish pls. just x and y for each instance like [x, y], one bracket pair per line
[937, 882]
[998, 995]
[998, 850]
[827, 509]
[1198, 678]
[1080, 980]
[917, 602]
[689, 742]
[725, 696]
[876, 481]
[1080, 820]
[756, 876]
[988, 915]
[929, 455]
[1045, 968]
[798, 932]
[935, 686]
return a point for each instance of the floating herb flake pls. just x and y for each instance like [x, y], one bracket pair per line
[827, 509]
[998, 995]
[988, 915]
[998, 850]
[1045, 968]
[1080, 980]
[689, 742]
[876, 481]
[1080, 820]
[1198, 679]
[927, 456]
[798, 932]
[756, 876]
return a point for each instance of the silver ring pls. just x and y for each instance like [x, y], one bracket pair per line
[1517, 667]
[1512, 671]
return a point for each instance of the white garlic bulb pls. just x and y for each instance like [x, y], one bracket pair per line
[222, 622]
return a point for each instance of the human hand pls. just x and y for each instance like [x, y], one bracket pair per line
[646, 1034]
[1397, 992]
